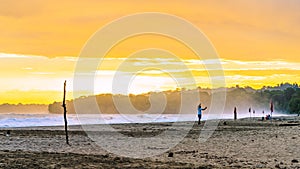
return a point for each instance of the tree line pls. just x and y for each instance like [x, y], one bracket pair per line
[286, 99]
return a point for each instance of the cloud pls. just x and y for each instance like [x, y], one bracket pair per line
[30, 72]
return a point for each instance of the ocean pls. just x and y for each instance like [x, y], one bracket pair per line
[34, 120]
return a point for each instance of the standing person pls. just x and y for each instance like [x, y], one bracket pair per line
[271, 108]
[250, 112]
[235, 113]
[200, 113]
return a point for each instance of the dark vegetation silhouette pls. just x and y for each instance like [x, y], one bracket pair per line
[286, 98]
[23, 108]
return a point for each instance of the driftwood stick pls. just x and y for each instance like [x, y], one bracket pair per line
[65, 113]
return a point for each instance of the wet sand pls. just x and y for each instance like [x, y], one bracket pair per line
[243, 143]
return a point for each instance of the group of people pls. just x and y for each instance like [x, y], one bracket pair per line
[200, 109]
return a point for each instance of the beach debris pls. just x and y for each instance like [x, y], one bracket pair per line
[186, 152]
[259, 165]
[295, 161]
[289, 124]
[7, 133]
[171, 154]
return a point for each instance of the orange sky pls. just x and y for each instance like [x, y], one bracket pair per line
[243, 30]
[39, 38]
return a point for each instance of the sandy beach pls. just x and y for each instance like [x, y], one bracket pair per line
[243, 143]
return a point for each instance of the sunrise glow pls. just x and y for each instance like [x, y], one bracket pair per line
[257, 42]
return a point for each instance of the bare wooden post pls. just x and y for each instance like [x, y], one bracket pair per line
[65, 113]
[235, 113]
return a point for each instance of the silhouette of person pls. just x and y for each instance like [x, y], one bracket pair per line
[200, 113]
[235, 113]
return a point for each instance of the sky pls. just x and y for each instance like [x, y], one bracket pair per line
[257, 42]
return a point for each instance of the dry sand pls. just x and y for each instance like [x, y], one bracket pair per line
[243, 143]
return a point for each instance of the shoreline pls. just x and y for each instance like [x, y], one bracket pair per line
[77, 123]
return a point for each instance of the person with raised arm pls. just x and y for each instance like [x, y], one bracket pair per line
[200, 109]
